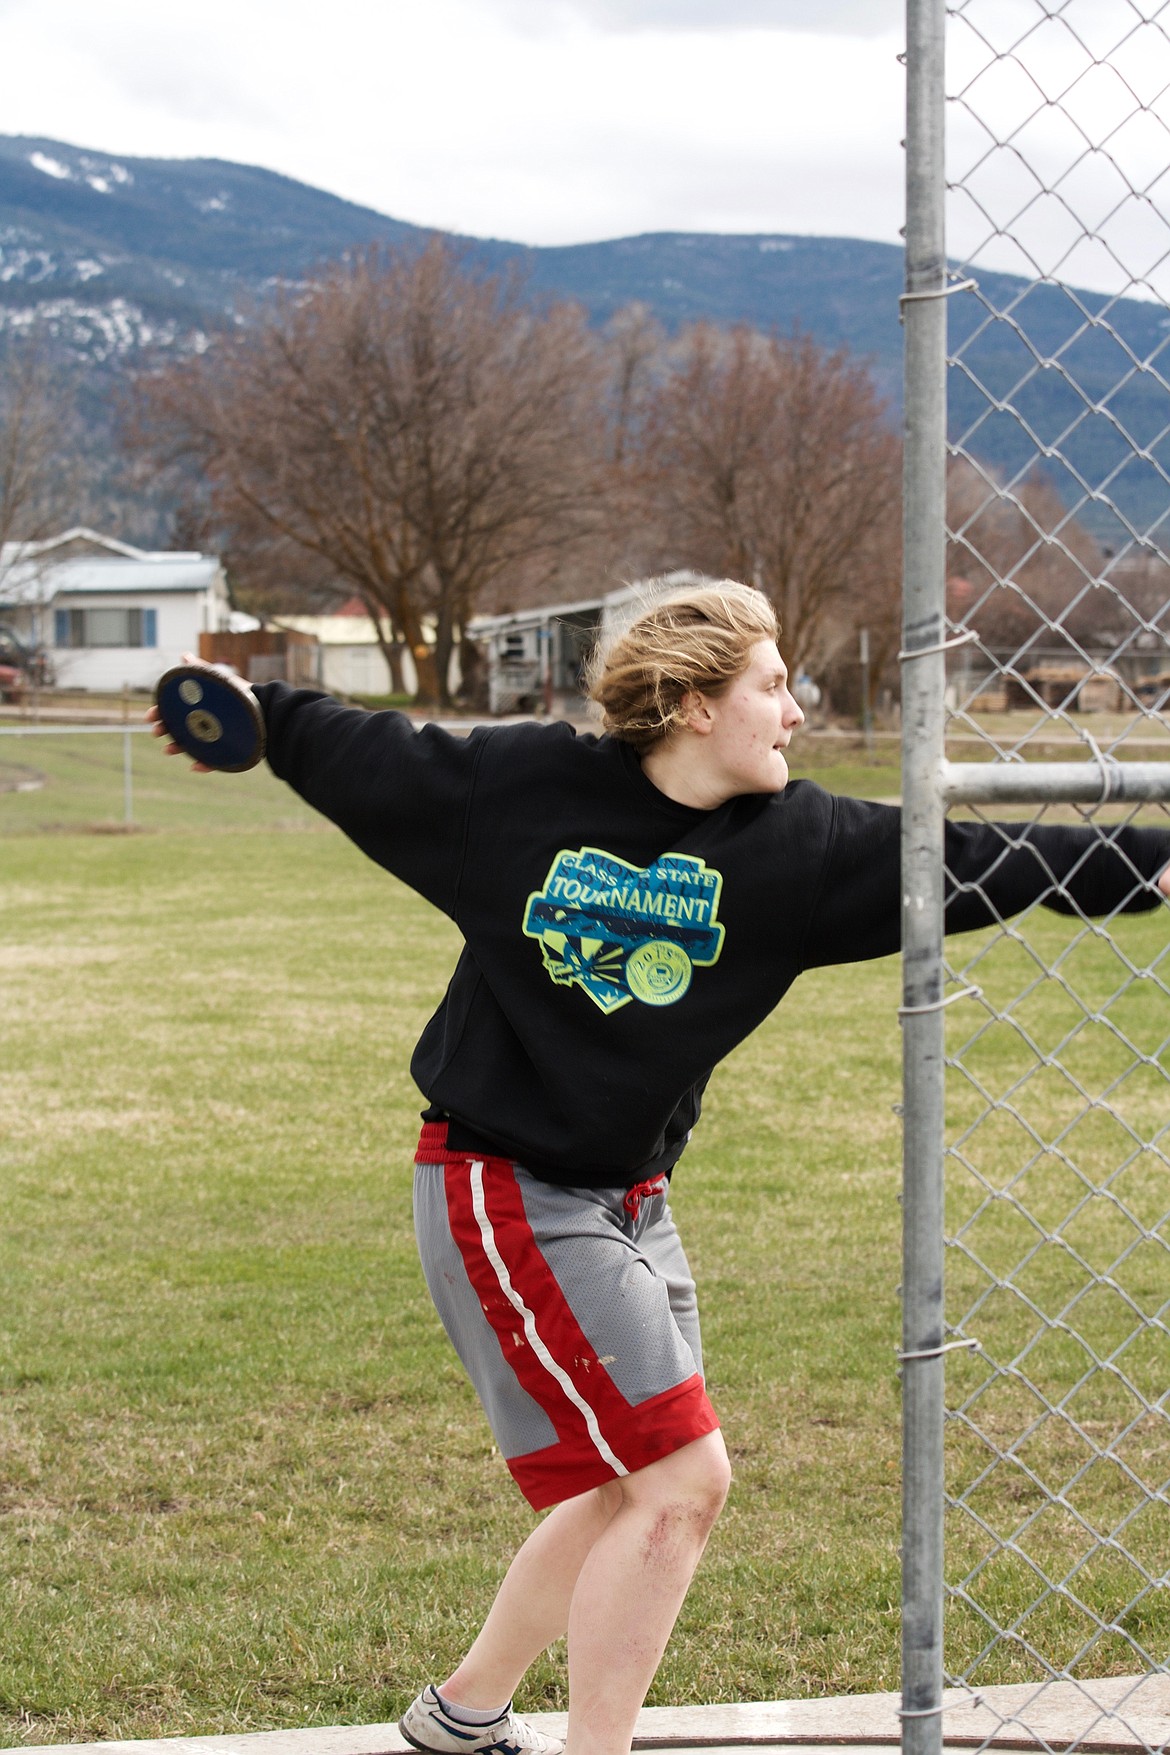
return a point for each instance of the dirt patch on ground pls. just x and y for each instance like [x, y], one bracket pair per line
[16, 777]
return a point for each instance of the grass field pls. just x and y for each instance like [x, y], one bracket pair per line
[243, 1483]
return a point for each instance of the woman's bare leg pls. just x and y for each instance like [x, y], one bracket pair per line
[611, 1568]
[631, 1588]
[531, 1609]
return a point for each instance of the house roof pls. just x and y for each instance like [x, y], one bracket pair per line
[612, 606]
[80, 535]
[480, 626]
[35, 573]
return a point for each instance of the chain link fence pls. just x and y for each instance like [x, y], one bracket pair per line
[81, 778]
[1052, 657]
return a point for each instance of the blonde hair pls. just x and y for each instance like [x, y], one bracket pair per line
[698, 638]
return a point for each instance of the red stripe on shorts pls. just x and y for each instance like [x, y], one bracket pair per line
[664, 1423]
[599, 1433]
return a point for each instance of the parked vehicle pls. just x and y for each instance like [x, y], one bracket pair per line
[21, 666]
[13, 674]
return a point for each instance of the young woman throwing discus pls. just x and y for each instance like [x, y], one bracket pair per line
[632, 905]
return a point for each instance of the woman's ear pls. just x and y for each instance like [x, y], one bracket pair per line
[696, 714]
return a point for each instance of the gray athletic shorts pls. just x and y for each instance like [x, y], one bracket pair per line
[573, 1311]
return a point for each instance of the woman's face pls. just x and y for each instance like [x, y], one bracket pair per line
[750, 724]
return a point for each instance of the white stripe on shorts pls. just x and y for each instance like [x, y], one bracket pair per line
[487, 1233]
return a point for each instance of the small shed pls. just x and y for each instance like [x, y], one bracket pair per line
[265, 655]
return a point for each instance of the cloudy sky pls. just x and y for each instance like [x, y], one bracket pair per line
[544, 121]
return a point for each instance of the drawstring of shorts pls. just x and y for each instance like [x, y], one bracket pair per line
[643, 1191]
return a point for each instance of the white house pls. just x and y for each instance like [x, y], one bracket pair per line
[109, 616]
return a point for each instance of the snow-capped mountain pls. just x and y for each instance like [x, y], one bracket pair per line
[118, 253]
[115, 252]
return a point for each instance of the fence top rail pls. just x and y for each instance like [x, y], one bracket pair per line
[1103, 781]
[32, 729]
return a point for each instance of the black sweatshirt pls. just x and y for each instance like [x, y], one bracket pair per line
[618, 945]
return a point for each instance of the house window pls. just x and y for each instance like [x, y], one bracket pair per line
[106, 627]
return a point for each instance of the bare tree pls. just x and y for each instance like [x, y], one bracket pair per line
[625, 535]
[38, 473]
[1021, 568]
[636, 347]
[36, 434]
[774, 462]
[406, 425]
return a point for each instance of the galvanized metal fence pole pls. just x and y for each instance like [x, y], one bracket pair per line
[923, 686]
[1055, 1477]
[127, 778]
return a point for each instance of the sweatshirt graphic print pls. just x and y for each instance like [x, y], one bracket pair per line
[622, 932]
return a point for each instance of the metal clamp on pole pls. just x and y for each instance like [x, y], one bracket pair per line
[968, 1346]
[1109, 765]
[963, 639]
[937, 292]
[938, 1005]
[937, 1711]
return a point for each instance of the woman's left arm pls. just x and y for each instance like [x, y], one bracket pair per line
[994, 870]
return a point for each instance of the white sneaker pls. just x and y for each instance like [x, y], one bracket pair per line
[429, 1727]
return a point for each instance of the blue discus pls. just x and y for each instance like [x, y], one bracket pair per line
[212, 715]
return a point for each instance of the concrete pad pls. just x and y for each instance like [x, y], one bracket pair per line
[1120, 1716]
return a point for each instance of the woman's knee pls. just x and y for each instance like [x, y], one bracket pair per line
[714, 1474]
[694, 1480]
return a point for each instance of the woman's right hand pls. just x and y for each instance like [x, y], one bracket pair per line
[154, 720]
